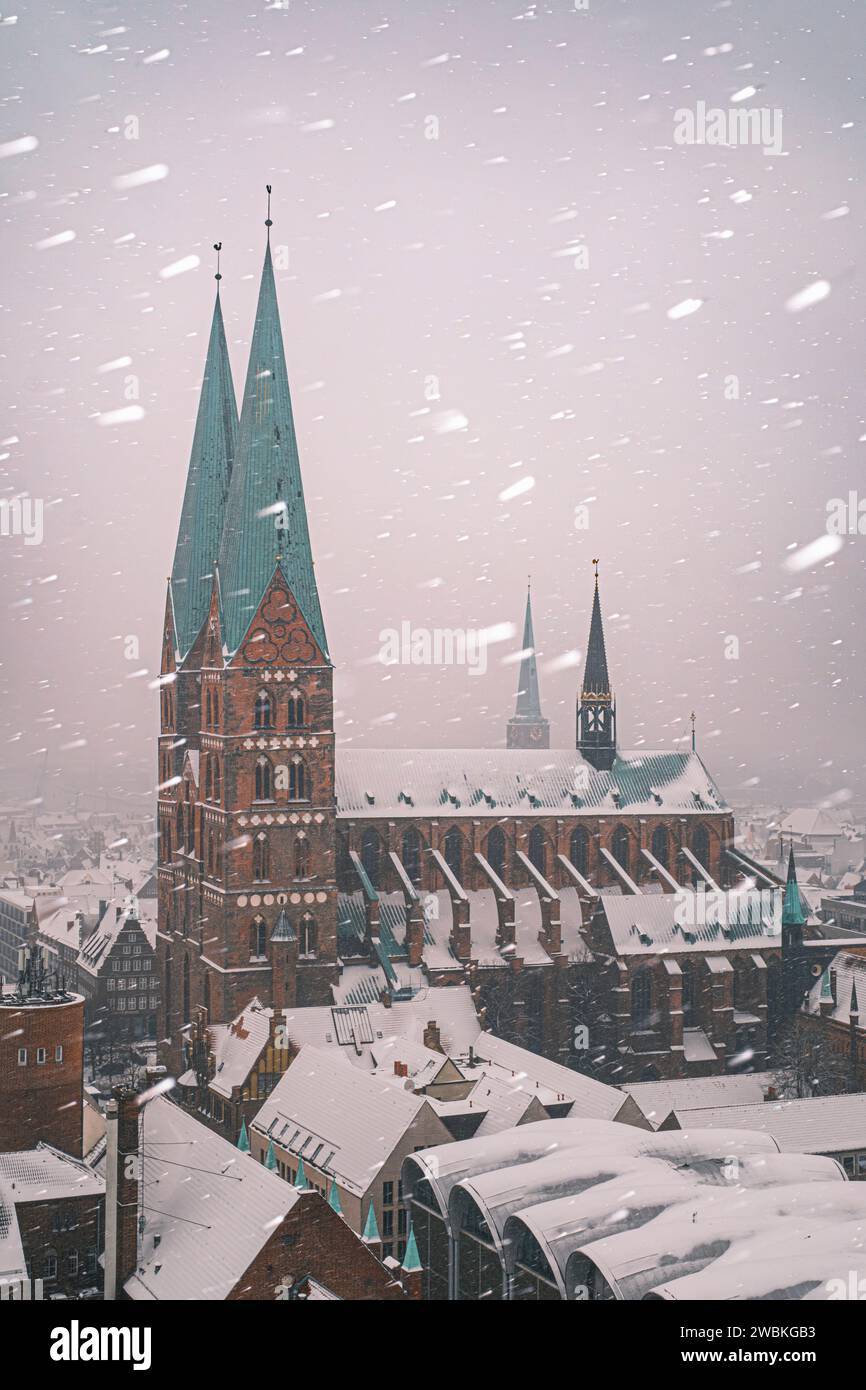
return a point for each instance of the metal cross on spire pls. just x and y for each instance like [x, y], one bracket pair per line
[218, 246]
[595, 562]
[693, 717]
[268, 222]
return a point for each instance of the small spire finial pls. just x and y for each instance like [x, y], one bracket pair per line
[269, 223]
[693, 717]
[595, 562]
[218, 246]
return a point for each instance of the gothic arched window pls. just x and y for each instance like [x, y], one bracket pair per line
[302, 857]
[217, 778]
[621, 847]
[258, 943]
[661, 846]
[370, 855]
[641, 998]
[264, 780]
[701, 845]
[453, 851]
[411, 854]
[495, 855]
[689, 1001]
[297, 781]
[538, 849]
[261, 858]
[295, 711]
[263, 715]
[579, 849]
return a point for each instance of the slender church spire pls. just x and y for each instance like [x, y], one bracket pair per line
[528, 728]
[794, 980]
[207, 486]
[596, 710]
[266, 520]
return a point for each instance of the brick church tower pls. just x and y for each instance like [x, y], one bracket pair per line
[247, 811]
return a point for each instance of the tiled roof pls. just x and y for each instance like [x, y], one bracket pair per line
[482, 782]
[591, 1099]
[239, 1047]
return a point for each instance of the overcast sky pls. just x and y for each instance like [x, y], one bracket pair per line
[484, 221]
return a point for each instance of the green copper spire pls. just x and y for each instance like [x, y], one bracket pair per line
[243, 1141]
[371, 1228]
[411, 1260]
[265, 514]
[792, 903]
[334, 1198]
[270, 1157]
[301, 1179]
[826, 988]
[207, 487]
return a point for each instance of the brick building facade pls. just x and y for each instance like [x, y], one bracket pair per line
[41, 1062]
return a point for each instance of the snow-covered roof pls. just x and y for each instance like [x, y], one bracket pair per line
[736, 1223]
[809, 821]
[209, 1209]
[238, 1046]
[354, 1028]
[849, 970]
[817, 1125]
[13, 1265]
[341, 1121]
[483, 782]
[658, 1098]
[590, 1098]
[46, 1173]
[423, 1065]
[646, 924]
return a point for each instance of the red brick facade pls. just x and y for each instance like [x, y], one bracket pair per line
[42, 1075]
[248, 830]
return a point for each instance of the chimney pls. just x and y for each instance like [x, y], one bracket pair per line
[770, 1093]
[122, 1170]
[401, 1069]
[385, 999]
[432, 1037]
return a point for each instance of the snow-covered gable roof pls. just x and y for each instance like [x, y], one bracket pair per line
[338, 1119]
[210, 1209]
[591, 1099]
[658, 1098]
[238, 1047]
[808, 821]
[482, 782]
[849, 970]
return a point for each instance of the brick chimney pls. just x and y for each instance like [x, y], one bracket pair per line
[432, 1037]
[414, 934]
[122, 1173]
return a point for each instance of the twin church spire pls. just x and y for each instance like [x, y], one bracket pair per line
[596, 711]
[244, 500]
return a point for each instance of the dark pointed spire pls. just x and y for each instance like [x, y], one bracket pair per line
[596, 711]
[595, 677]
[265, 515]
[528, 728]
[854, 1007]
[207, 486]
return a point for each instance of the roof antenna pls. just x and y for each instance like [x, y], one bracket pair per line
[269, 223]
[218, 246]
